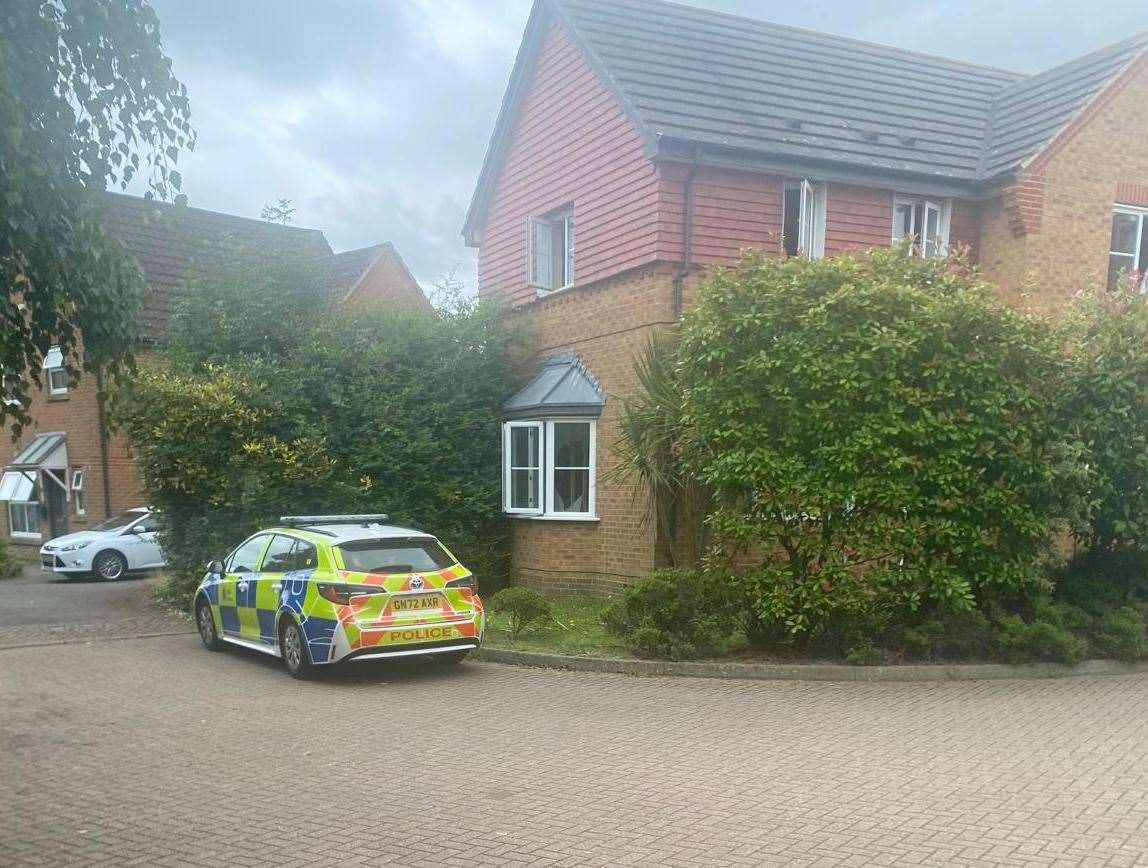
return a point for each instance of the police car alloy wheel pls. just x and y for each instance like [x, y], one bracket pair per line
[295, 651]
[206, 626]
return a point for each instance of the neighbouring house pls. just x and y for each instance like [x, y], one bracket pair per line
[641, 141]
[69, 471]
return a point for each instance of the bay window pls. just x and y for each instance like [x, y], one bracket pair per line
[549, 468]
[1128, 250]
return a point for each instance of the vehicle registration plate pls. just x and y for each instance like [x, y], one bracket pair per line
[418, 603]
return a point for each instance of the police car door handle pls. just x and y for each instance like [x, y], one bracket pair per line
[277, 586]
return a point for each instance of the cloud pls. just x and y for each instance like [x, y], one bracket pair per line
[373, 116]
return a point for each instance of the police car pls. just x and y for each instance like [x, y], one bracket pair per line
[326, 588]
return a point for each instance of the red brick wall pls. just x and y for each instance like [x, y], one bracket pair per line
[731, 211]
[571, 143]
[608, 324]
[77, 416]
[388, 282]
[1047, 237]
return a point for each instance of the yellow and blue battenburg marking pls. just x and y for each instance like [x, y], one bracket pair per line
[344, 613]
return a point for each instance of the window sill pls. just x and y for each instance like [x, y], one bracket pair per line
[580, 519]
[541, 292]
[26, 537]
[60, 396]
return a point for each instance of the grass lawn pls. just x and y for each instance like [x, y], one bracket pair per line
[576, 629]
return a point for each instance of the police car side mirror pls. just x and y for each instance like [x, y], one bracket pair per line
[215, 568]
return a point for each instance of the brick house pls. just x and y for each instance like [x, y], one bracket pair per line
[641, 141]
[69, 471]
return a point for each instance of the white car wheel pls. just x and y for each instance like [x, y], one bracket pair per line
[110, 565]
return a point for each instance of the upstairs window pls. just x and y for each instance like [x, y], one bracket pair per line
[1128, 251]
[803, 219]
[548, 468]
[57, 375]
[78, 491]
[551, 242]
[924, 221]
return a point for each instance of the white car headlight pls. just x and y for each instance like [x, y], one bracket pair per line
[74, 547]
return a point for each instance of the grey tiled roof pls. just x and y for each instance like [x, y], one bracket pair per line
[562, 386]
[1029, 113]
[711, 79]
[166, 239]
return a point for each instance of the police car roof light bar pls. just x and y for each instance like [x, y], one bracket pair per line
[364, 519]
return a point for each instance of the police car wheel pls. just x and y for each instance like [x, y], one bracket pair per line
[205, 623]
[294, 650]
[451, 658]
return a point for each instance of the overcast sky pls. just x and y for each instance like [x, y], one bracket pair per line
[372, 116]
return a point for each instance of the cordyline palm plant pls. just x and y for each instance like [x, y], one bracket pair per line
[648, 454]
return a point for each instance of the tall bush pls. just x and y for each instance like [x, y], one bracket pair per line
[350, 410]
[1106, 407]
[877, 436]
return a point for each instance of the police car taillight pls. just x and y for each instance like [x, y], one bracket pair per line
[468, 582]
[341, 594]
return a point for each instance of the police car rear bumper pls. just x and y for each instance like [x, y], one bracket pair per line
[446, 646]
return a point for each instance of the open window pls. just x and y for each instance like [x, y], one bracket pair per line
[56, 373]
[551, 254]
[803, 219]
[925, 221]
[77, 486]
[1128, 250]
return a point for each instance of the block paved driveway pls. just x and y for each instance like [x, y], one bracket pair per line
[155, 752]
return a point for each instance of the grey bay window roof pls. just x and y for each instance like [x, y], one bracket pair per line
[562, 386]
[702, 83]
[44, 450]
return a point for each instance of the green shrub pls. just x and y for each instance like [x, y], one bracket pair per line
[678, 613]
[1103, 578]
[1105, 404]
[863, 652]
[947, 636]
[876, 429]
[1122, 634]
[342, 411]
[10, 565]
[1024, 642]
[523, 606]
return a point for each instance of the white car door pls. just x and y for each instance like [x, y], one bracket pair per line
[141, 546]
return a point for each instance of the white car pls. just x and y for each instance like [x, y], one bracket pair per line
[124, 542]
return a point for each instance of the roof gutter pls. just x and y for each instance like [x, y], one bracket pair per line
[677, 298]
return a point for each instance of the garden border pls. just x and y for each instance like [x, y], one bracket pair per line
[812, 671]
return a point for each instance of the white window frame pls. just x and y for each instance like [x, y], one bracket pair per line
[551, 469]
[811, 216]
[944, 209]
[1142, 215]
[540, 257]
[507, 468]
[547, 468]
[77, 491]
[54, 366]
[22, 534]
